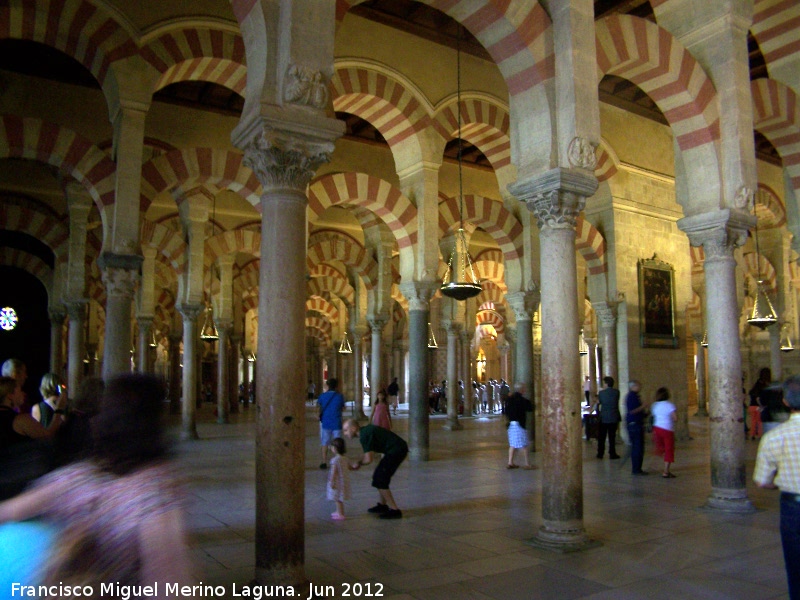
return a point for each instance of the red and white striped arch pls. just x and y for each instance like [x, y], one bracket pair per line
[337, 286]
[246, 278]
[485, 125]
[54, 234]
[606, 163]
[245, 241]
[776, 27]
[168, 243]
[328, 270]
[590, 244]
[490, 271]
[62, 148]
[490, 254]
[384, 102]
[77, 28]
[491, 317]
[250, 303]
[185, 168]
[198, 54]
[319, 334]
[13, 257]
[761, 268]
[372, 193]
[491, 216]
[348, 253]
[776, 115]
[491, 292]
[647, 55]
[399, 298]
[322, 306]
[769, 208]
[319, 323]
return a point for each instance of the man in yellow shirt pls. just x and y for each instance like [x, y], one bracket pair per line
[778, 466]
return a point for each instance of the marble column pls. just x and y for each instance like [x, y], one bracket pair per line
[452, 329]
[57, 318]
[702, 411]
[120, 275]
[246, 375]
[284, 164]
[591, 344]
[720, 233]
[145, 326]
[234, 371]
[418, 295]
[376, 363]
[466, 372]
[524, 304]
[190, 314]
[174, 374]
[223, 383]
[556, 199]
[607, 324]
[357, 335]
[775, 354]
[76, 341]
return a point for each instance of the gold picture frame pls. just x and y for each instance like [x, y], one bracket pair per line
[656, 304]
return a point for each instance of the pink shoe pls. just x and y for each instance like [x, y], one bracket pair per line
[337, 517]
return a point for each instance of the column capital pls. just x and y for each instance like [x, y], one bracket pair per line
[719, 232]
[144, 321]
[357, 331]
[282, 159]
[419, 293]
[223, 325]
[557, 196]
[523, 304]
[606, 312]
[452, 327]
[378, 322]
[76, 308]
[190, 311]
[56, 316]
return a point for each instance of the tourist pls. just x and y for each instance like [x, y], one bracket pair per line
[608, 408]
[331, 404]
[515, 410]
[50, 389]
[338, 478]
[380, 412]
[635, 421]
[664, 417]
[393, 390]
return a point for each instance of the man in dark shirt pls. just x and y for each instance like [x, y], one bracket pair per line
[608, 407]
[635, 421]
[394, 450]
[392, 391]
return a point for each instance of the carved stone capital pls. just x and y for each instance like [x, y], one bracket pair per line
[452, 327]
[144, 323]
[281, 160]
[523, 304]
[119, 282]
[190, 312]
[606, 313]
[377, 323]
[557, 196]
[719, 232]
[76, 309]
[57, 317]
[224, 326]
[419, 293]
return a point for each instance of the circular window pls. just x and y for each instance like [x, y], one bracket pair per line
[8, 318]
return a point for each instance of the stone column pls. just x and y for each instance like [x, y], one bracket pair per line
[466, 372]
[775, 355]
[418, 295]
[75, 345]
[284, 163]
[452, 329]
[719, 233]
[174, 374]
[607, 324]
[397, 363]
[591, 344]
[357, 335]
[524, 304]
[190, 313]
[120, 275]
[234, 371]
[56, 341]
[145, 326]
[223, 383]
[702, 411]
[376, 364]
[556, 199]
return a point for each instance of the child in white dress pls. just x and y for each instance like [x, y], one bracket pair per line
[338, 478]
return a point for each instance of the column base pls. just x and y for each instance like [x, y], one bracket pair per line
[223, 420]
[418, 455]
[277, 578]
[453, 426]
[701, 412]
[190, 434]
[733, 501]
[563, 538]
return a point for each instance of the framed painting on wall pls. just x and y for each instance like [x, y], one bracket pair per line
[656, 304]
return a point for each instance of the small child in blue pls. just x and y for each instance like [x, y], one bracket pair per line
[338, 478]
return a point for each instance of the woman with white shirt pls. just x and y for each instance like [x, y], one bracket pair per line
[664, 417]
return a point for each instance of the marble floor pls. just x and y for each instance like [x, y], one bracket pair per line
[467, 521]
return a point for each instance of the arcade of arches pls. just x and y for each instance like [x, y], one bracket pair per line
[291, 168]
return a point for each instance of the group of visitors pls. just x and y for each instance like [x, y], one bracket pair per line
[112, 510]
[489, 397]
[664, 416]
[765, 408]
